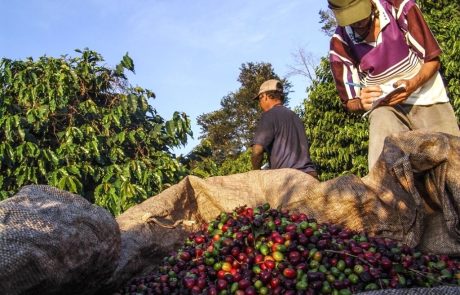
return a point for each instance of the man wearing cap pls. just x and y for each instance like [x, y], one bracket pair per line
[280, 133]
[387, 43]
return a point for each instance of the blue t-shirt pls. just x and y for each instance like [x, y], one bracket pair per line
[282, 134]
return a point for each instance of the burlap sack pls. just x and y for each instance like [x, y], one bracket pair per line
[55, 242]
[443, 290]
[411, 195]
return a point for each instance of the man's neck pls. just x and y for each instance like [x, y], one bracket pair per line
[274, 104]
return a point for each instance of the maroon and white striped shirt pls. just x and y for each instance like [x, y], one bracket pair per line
[404, 43]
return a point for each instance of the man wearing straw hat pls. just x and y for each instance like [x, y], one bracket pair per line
[382, 44]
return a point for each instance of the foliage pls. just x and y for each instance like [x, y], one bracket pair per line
[201, 164]
[77, 125]
[338, 140]
[229, 130]
[239, 164]
[199, 161]
[443, 17]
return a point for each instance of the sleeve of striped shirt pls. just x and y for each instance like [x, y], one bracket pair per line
[344, 70]
[418, 34]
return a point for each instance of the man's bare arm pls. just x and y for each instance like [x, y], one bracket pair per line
[426, 72]
[257, 156]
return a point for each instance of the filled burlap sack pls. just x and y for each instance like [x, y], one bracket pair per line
[411, 195]
[55, 242]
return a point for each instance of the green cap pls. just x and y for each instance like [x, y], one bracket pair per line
[348, 12]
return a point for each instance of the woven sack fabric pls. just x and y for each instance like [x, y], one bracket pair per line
[443, 290]
[411, 195]
[55, 242]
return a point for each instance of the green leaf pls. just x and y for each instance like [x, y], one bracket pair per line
[73, 170]
[121, 137]
[119, 70]
[128, 63]
[170, 126]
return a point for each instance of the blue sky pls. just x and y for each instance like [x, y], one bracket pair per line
[186, 51]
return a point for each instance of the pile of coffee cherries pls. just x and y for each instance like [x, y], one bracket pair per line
[270, 251]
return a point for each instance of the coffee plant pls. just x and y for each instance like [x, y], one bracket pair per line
[75, 124]
[338, 140]
[268, 251]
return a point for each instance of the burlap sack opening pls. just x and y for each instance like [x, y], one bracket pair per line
[55, 242]
[411, 195]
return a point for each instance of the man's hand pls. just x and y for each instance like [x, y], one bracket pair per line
[257, 156]
[427, 71]
[368, 95]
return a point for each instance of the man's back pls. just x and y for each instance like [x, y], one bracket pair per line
[282, 134]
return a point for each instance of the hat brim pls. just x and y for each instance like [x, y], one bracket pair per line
[257, 96]
[353, 13]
